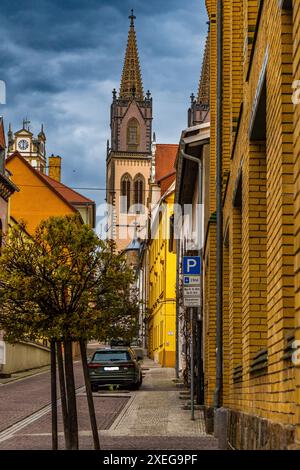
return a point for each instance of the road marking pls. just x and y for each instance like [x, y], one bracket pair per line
[12, 430]
[9, 432]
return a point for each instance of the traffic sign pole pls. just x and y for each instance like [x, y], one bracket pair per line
[192, 364]
[191, 297]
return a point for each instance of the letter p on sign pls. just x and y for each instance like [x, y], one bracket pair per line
[192, 265]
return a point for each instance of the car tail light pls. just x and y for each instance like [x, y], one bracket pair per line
[128, 365]
[94, 365]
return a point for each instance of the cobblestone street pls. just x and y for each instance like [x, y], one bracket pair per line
[151, 418]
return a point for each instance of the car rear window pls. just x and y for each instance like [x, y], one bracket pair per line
[103, 356]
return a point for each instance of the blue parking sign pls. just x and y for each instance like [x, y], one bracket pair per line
[191, 265]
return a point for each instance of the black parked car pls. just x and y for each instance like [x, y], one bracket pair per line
[115, 366]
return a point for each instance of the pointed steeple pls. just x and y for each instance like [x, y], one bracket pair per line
[131, 83]
[10, 137]
[2, 135]
[203, 97]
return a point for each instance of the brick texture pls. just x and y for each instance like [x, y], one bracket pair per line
[261, 168]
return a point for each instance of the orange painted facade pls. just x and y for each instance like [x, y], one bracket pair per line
[36, 201]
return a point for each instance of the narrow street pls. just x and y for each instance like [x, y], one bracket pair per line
[151, 418]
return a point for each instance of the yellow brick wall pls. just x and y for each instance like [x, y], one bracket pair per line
[226, 337]
[212, 13]
[209, 325]
[259, 258]
[235, 303]
[236, 64]
[296, 148]
[209, 256]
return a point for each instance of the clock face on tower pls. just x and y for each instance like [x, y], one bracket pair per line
[23, 144]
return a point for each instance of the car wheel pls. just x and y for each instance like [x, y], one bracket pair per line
[135, 386]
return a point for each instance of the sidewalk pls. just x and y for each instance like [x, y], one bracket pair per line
[24, 374]
[154, 415]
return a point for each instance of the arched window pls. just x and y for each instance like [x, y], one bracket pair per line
[139, 189]
[133, 134]
[125, 193]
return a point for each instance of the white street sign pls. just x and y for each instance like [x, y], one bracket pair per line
[191, 291]
[191, 280]
[191, 302]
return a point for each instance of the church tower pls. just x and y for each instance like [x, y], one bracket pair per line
[33, 149]
[199, 111]
[129, 155]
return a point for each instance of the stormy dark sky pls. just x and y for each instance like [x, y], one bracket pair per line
[61, 59]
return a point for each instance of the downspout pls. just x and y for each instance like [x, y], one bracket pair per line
[219, 235]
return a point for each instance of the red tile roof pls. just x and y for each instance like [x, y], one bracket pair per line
[67, 193]
[165, 165]
[2, 134]
[166, 182]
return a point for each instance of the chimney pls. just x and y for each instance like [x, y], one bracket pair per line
[55, 167]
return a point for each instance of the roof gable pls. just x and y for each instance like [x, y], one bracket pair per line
[39, 176]
[165, 157]
[24, 132]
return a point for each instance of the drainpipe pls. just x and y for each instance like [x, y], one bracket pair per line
[219, 251]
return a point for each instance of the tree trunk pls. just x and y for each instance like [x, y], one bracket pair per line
[89, 395]
[54, 397]
[62, 383]
[71, 396]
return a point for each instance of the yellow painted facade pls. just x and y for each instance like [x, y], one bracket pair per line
[162, 288]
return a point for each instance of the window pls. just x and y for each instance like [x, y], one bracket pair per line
[132, 135]
[111, 356]
[133, 131]
[161, 339]
[125, 193]
[256, 323]
[139, 193]
[171, 234]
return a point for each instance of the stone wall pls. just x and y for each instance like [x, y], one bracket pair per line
[261, 175]
[24, 356]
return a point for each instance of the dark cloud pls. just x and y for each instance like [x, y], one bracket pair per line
[61, 59]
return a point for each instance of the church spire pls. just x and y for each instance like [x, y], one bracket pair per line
[131, 83]
[203, 97]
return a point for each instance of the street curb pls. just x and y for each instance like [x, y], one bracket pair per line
[122, 414]
[24, 377]
[27, 376]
